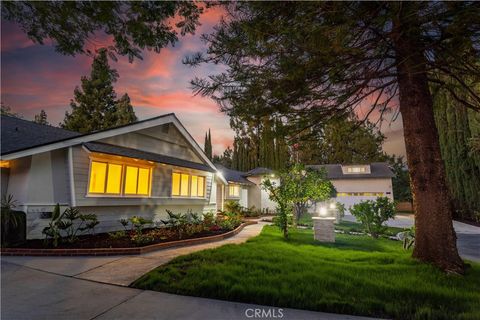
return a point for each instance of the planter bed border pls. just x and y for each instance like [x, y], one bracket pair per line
[122, 251]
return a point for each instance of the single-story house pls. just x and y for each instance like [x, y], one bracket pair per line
[354, 183]
[245, 187]
[358, 182]
[138, 169]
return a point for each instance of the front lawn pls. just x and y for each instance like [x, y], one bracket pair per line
[356, 275]
[347, 226]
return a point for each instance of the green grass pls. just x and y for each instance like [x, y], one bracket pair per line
[356, 275]
[348, 226]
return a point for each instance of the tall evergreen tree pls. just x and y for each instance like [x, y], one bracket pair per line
[94, 106]
[457, 127]
[124, 113]
[207, 146]
[310, 61]
[41, 118]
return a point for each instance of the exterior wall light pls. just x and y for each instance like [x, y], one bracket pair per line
[323, 211]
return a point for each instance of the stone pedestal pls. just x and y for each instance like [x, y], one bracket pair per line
[324, 229]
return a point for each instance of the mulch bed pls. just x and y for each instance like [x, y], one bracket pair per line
[103, 240]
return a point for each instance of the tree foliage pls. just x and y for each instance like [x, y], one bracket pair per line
[457, 128]
[401, 180]
[41, 118]
[94, 106]
[373, 214]
[208, 145]
[80, 27]
[307, 62]
[299, 187]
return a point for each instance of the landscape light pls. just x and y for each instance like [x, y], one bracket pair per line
[323, 211]
[332, 205]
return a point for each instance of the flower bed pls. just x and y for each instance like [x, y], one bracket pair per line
[75, 250]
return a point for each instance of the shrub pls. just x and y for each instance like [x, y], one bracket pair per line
[139, 223]
[208, 219]
[340, 210]
[117, 235]
[71, 222]
[124, 223]
[233, 207]
[251, 212]
[372, 214]
[141, 239]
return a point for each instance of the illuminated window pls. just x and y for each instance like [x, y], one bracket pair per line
[234, 190]
[98, 175]
[112, 178]
[114, 181]
[186, 185]
[356, 170]
[175, 184]
[143, 181]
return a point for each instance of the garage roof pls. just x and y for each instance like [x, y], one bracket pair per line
[377, 170]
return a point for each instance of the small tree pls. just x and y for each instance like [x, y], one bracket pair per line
[299, 187]
[279, 193]
[306, 186]
[372, 214]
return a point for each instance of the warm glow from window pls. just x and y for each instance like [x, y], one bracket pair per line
[131, 175]
[356, 170]
[194, 187]
[175, 184]
[98, 174]
[114, 180]
[4, 164]
[234, 191]
[184, 185]
[143, 181]
[187, 185]
[201, 187]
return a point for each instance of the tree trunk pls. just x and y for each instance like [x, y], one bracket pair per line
[435, 239]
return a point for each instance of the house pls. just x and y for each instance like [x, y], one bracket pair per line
[354, 183]
[138, 169]
[245, 187]
[358, 182]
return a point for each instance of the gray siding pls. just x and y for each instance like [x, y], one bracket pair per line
[163, 139]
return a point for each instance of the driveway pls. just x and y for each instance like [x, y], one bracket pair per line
[468, 236]
[76, 288]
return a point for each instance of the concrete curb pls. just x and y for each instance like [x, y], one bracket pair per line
[122, 251]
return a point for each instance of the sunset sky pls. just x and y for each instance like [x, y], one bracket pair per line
[35, 77]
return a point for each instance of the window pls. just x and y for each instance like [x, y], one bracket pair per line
[234, 190]
[187, 185]
[356, 170]
[113, 178]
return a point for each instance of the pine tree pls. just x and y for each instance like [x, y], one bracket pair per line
[124, 113]
[41, 118]
[94, 106]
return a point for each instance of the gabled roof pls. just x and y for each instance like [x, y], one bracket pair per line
[19, 134]
[259, 171]
[377, 170]
[139, 154]
[233, 175]
[61, 139]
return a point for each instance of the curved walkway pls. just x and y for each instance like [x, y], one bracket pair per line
[122, 270]
[95, 288]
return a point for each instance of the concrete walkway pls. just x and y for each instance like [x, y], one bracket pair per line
[95, 288]
[468, 236]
